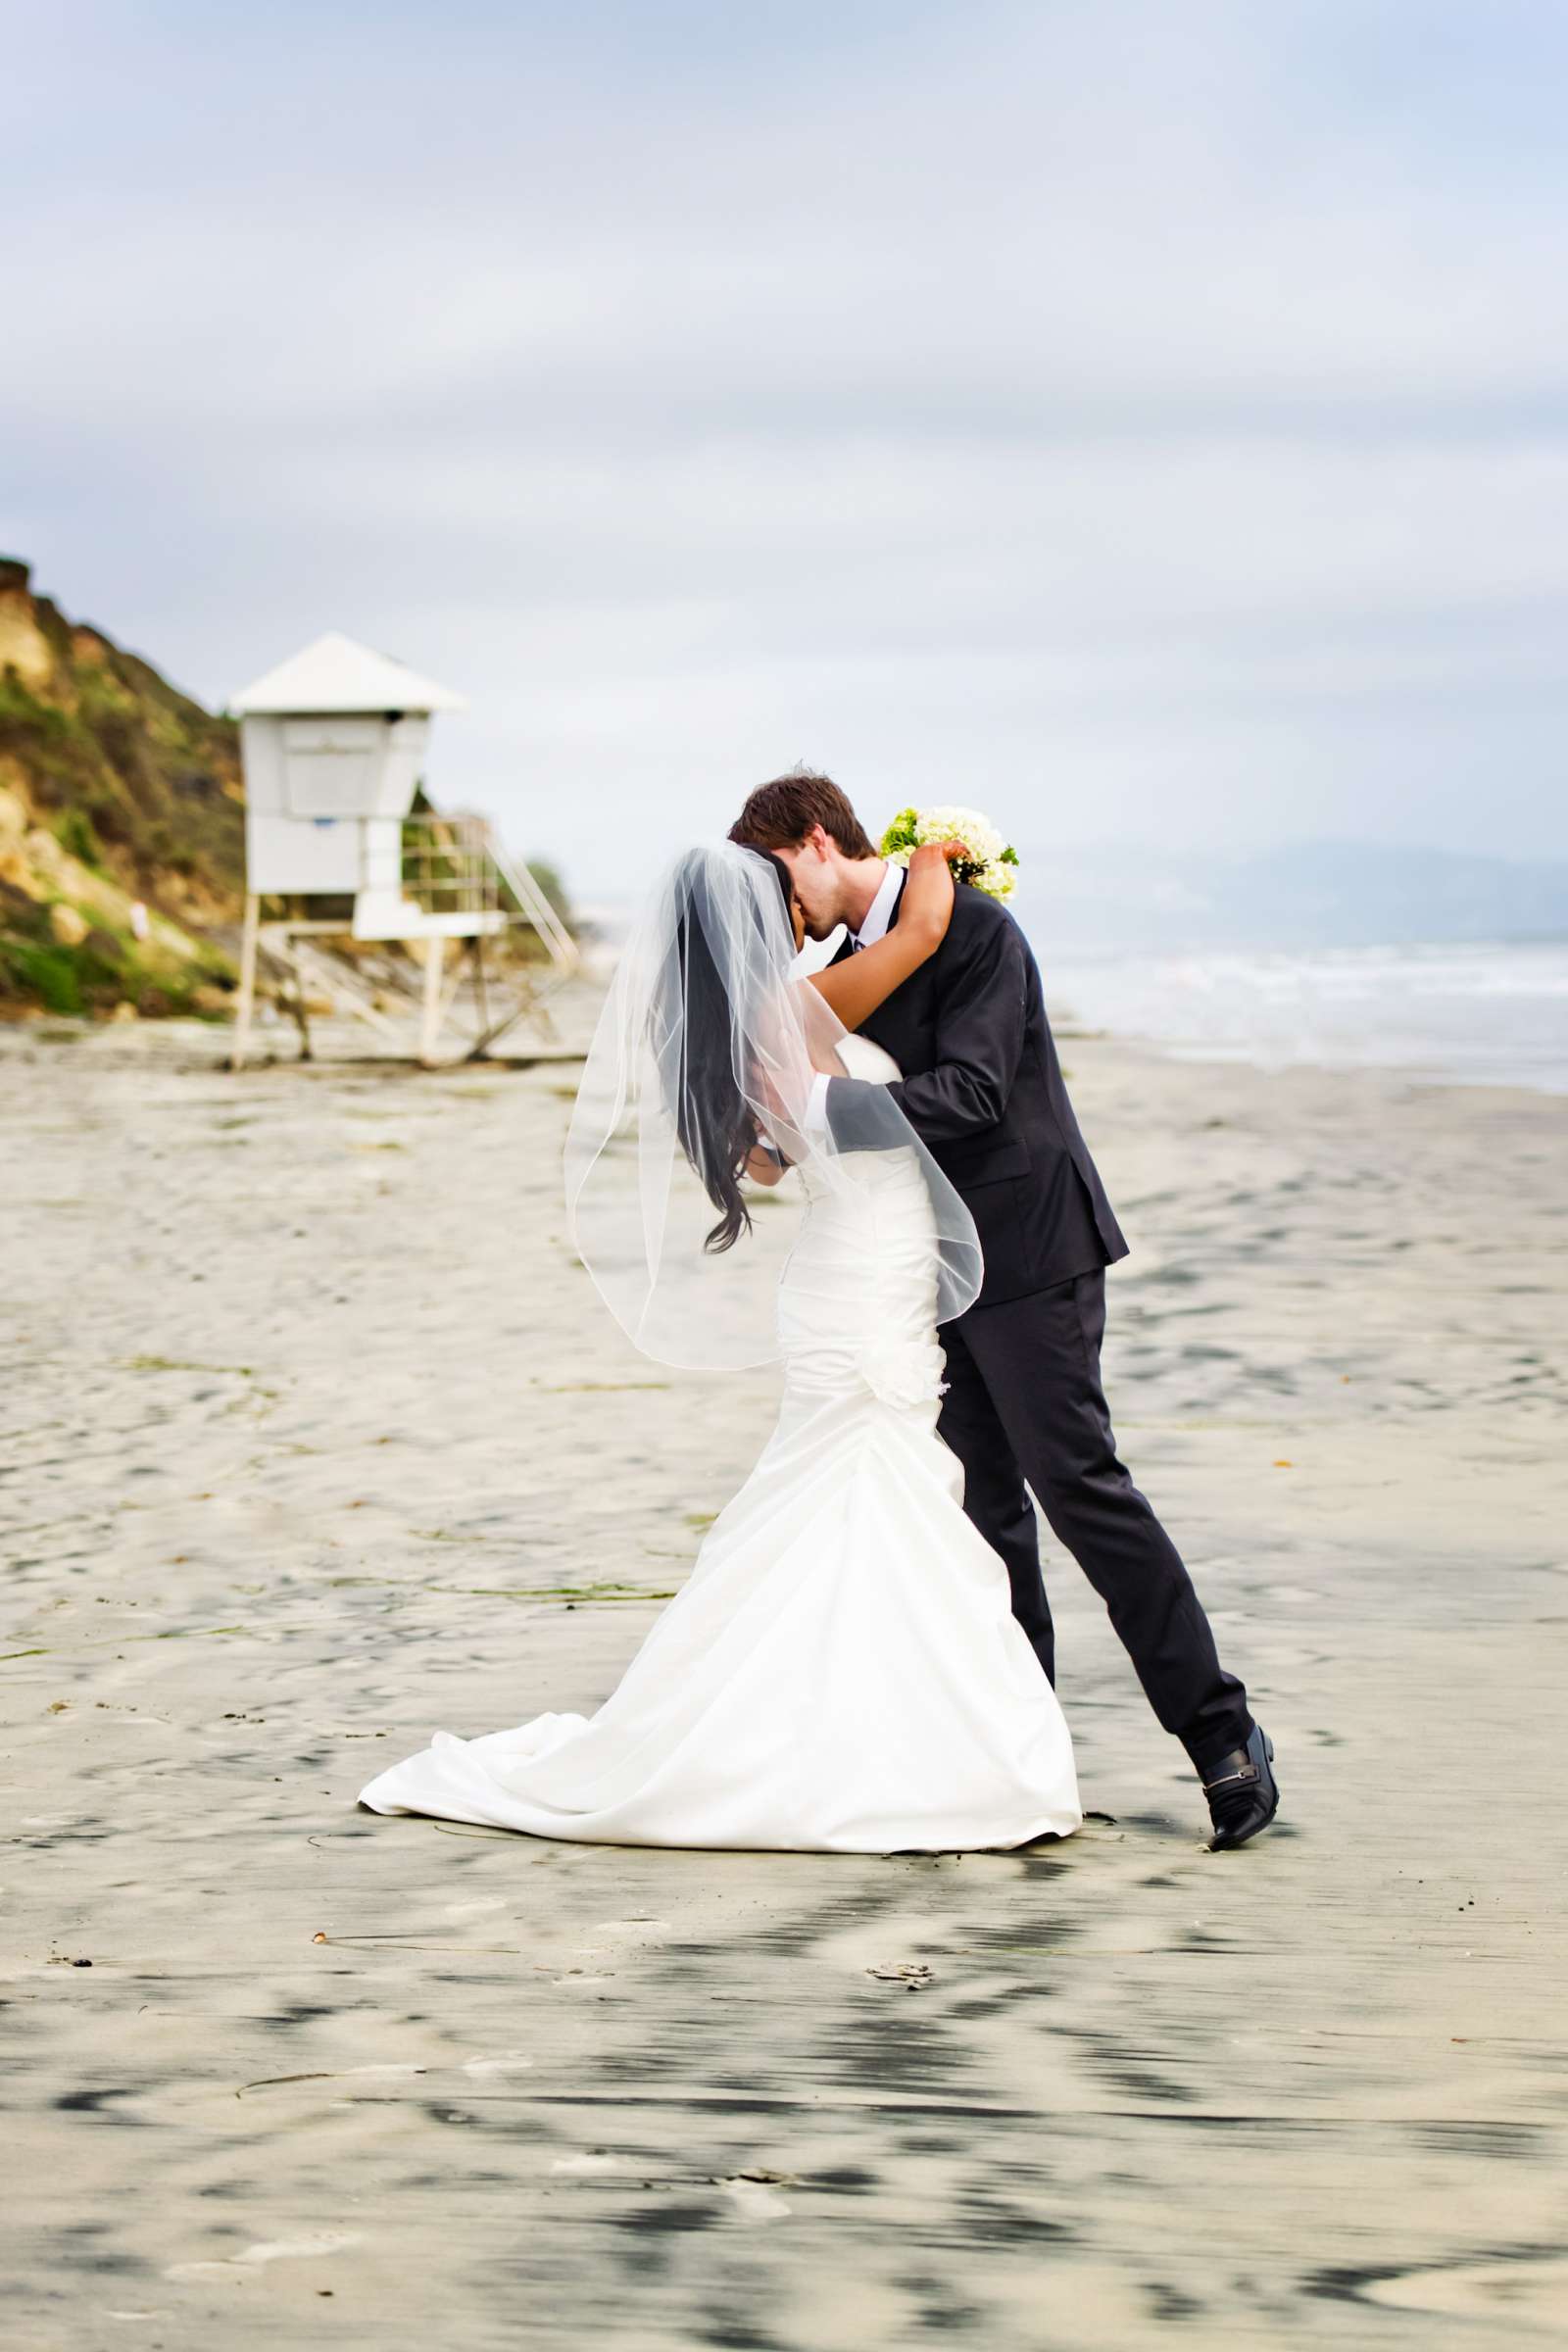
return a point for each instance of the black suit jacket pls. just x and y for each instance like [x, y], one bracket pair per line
[983, 1088]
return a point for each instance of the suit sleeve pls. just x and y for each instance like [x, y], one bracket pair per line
[980, 1031]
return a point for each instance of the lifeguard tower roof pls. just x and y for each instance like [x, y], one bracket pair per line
[337, 674]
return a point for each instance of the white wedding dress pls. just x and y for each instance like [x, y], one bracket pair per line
[842, 1672]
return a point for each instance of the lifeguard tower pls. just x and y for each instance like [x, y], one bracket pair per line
[333, 744]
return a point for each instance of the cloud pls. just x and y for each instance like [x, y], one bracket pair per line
[1150, 419]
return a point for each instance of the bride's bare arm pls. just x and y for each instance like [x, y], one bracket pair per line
[855, 987]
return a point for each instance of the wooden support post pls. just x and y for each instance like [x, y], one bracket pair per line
[298, 1008]
[430, 1019]
[247, 979]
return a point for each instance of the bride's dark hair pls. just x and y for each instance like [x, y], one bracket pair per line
[715, 1124]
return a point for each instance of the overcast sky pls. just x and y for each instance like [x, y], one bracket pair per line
[1144, 418]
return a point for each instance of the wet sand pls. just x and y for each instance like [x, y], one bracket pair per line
[316, 1441]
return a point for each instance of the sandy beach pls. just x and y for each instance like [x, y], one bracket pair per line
[316, 1441]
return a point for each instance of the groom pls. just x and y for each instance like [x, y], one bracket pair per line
[984, 1091]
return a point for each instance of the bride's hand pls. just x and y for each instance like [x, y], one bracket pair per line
[763, 1165]
[928, 892]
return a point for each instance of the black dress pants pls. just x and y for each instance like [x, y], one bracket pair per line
[1025, 1408]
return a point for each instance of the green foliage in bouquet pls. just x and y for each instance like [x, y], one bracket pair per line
[991, 867]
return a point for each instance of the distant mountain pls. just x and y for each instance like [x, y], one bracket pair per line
[117, 793]
[1315, 894]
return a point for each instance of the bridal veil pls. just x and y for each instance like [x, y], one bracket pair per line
[709, 1034]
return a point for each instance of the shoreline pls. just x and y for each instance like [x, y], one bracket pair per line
[195, 1047]
[1450, 1061]
[1478, 1013]
[1069, 1026]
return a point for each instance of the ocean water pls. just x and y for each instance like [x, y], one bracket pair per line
[1481, 1015]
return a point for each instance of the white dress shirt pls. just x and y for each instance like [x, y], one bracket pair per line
[874, 925]
[878, 919]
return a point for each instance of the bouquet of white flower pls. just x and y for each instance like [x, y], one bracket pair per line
[992, 864]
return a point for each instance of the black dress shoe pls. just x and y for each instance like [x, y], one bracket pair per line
[1242, 1793]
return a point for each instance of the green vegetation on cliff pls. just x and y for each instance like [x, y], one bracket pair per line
[117, 793]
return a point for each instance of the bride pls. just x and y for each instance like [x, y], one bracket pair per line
[841, 1671]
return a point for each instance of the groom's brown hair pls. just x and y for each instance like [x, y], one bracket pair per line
[779, 816]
